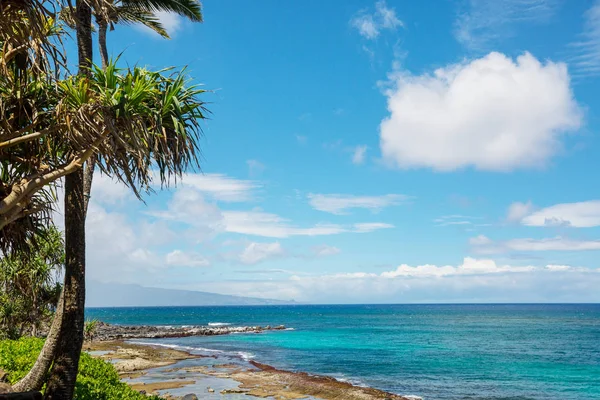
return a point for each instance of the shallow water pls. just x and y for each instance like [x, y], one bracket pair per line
[446, 352]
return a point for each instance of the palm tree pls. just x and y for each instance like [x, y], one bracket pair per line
[108, 13]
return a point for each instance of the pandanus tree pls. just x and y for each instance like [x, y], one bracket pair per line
[108, 13]
[140, 124]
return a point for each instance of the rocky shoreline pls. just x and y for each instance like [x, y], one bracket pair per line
[107, 332]
[177, 374]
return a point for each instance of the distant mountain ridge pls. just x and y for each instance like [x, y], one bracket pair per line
[100, 294]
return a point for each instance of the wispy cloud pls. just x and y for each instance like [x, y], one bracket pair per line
[370, 25]
[257, 252]
[585, 58]
[341, 203]
[358, 157]
[517, 211]
[301, 139]
[485, 22]
[181, 258]
[255, 167]
[483, 245]
[458, 220]
[264, 224]
[220, 186]
[325, 250]
[585, 214]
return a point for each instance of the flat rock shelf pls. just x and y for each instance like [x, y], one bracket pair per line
[105, 332]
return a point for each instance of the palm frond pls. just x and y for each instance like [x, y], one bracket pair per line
[191, 9]
[127, 14]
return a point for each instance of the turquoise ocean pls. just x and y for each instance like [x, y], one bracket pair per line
[444, 352]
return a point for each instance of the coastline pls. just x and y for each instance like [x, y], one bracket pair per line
[174, 373]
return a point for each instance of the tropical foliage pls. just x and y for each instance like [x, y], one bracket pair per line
[97, 379]
[29, 287]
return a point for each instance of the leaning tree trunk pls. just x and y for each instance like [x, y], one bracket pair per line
[35, 378]
[61, 385]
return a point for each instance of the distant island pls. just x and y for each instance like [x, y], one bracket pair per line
[130, 295]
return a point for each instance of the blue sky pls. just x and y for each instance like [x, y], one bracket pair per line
[364, 151]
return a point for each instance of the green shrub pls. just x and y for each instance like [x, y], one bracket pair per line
[97, 379]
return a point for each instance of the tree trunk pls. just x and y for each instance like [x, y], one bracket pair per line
[61, 385]
[35, 378]
[91, 163]
[102, 28]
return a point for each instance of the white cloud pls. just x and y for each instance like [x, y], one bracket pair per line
[470, 266]
[485, 22]
[271, 225]
[370, 26]
[325, 250]
[108, 191]
[586, 51]
[371, 226]
[257, 252]
[483, 245]
[473, 281]
[491, 113]
[301, 139]
[186, 259]
[480, 240]
[264, 224]
[358, 156]
[341, 203]
[188, 206]
[584, 214]
[517, 211]
[220, 186]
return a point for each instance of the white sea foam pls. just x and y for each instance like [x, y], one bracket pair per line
[245, 355]
[179, 347]
[219, 324]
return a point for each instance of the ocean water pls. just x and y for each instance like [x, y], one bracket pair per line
[444, 352]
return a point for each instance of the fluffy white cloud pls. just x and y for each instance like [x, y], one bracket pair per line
[341, 203]
[483, 245]
[492, 113]
[257, 252]
[358, 155]
[583, 214]
[517, 211]
[485, 22]
[470, 266]
[370, 25]
[186, 259]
